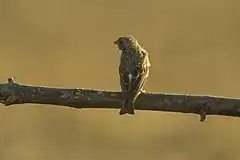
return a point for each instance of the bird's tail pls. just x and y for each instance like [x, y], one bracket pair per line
[128, 107]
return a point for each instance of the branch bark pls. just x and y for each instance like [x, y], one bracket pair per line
[13, 93]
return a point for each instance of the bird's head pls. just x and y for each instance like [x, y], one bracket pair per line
[125, 42]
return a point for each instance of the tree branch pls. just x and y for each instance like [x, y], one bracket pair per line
[13, 93]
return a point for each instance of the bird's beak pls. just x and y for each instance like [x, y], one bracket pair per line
[115, 42]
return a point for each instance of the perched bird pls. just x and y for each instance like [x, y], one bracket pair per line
[133, 71]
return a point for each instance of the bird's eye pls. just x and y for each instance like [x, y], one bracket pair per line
[121, 41]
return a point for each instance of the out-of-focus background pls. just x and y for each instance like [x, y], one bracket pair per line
[194, 48]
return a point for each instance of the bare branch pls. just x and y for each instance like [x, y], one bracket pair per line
[13, 93]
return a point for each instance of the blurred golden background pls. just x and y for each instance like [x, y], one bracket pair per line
[194, 48]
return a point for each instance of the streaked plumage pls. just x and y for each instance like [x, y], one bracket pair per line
[133, 71]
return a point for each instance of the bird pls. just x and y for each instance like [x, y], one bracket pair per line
[133, 71]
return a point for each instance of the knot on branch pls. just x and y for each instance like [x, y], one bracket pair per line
[9, 95]
[11, 80]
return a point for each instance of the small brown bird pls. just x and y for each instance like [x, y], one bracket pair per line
[133, 71]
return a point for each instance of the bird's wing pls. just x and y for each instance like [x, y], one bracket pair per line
[144, 62]
[140, 74]
[123, 73]
[138, 66]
